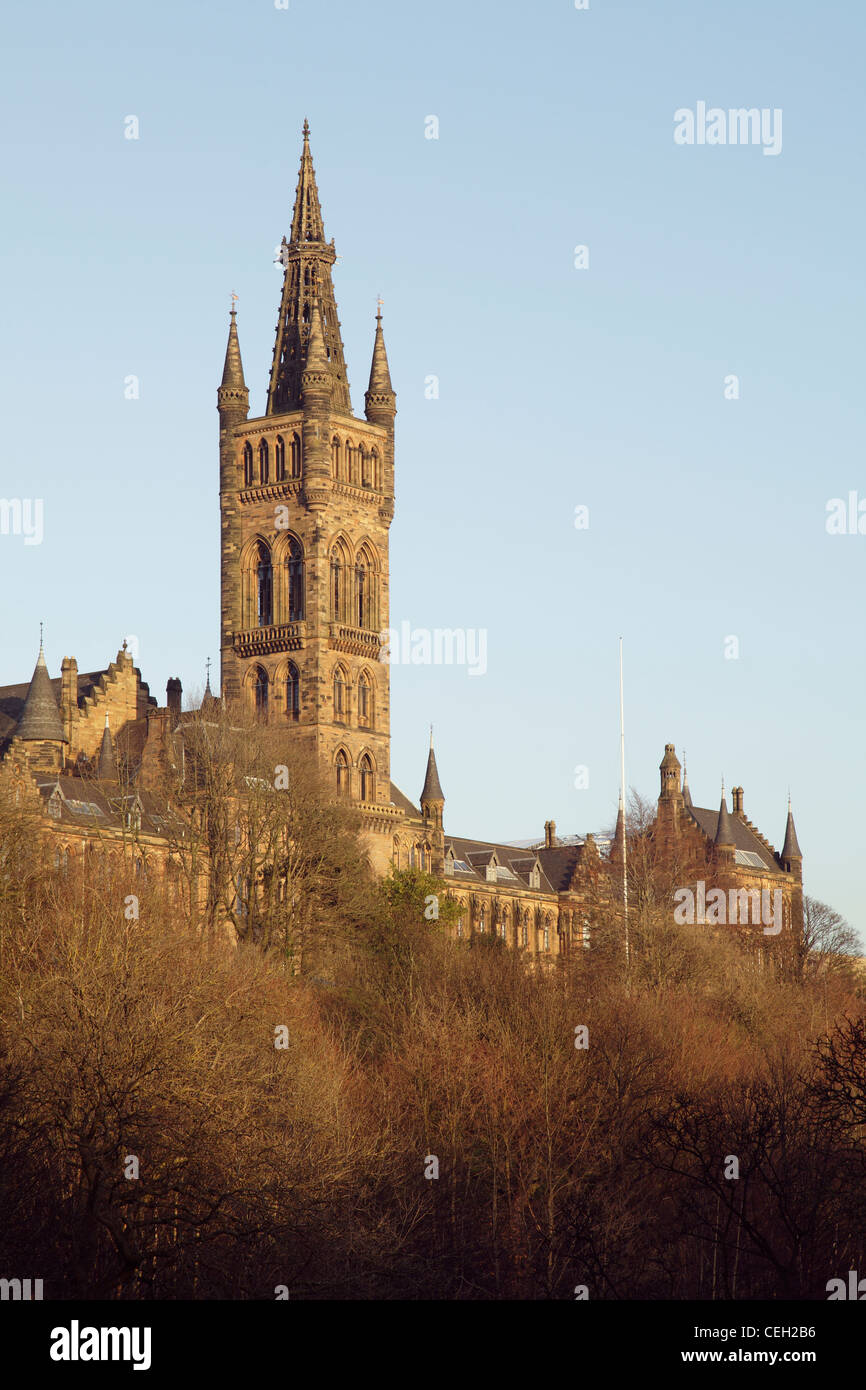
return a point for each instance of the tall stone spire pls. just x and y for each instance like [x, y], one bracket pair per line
[40, 720]
[308, 259]
[106, 769]
[380, 400]
[233, 398]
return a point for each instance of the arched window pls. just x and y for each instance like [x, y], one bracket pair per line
[293, 692]
[295, 565]
[524, 934]
[335, 457]
[375, 474]
[367, 779]
[366, 596]
[365, 701]
[481, 926]
[339, 572]
[341, 699]
[248, 464]
[263, 461]
[261, 691]
[547, 933]
[264, 587]
[351, 462]
[280, 459]
[295, 459]
[342, 773]
[365, 468]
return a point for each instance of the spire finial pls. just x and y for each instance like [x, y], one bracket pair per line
[431, 735]
[234, 302]
[379, 302]
[306, 130]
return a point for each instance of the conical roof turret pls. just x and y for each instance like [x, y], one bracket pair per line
[40, 718]
[724, 829]
[791, 847]
[432, 786]
[233, 398]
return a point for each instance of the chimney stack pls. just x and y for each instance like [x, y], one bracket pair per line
[550, 834]
[173, 693]
[737, 797]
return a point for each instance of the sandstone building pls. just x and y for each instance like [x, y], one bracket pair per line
[306, 502]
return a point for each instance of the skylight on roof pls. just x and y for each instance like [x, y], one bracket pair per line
[750, 858]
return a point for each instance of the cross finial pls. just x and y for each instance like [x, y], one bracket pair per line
[207, 667]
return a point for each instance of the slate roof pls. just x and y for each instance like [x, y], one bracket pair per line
[81, 802]
[478, 853]
[400, 800]
[742, 836]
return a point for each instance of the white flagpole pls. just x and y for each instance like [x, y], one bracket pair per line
[623, 793]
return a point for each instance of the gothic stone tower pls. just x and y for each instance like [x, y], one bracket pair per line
[306, 500]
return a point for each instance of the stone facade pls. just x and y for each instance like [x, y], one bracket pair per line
[306, 503]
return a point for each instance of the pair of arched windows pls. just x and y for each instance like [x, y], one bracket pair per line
[291, 692]
[273, 594]
[342, 702]
[366, 776]
[262, 473]
[354, 588]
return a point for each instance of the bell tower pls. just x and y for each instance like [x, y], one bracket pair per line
[306, 502]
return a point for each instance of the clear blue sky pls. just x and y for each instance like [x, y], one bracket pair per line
[558, 387]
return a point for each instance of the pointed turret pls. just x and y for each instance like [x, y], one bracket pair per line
[724, 829]
[433, 808]
[618, 842]
[40, 720]
[432, 792]
[791, 848]
[308, 259]
[687, 796]
[316, 377]
[233, 398]
[380, 401]
[106, 769]
[208, 700]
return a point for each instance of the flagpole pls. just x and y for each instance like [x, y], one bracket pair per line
[622, 786]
